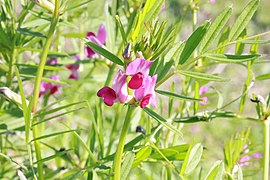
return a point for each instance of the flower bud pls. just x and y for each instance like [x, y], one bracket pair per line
[127, 53]
[45, 4]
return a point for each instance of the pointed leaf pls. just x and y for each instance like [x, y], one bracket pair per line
[216, 172]
[127, 165]
[243, 19]
[215, 29]
[228, 58]
[192, 42]
[170, 94]
[107, 54]
[203, 76]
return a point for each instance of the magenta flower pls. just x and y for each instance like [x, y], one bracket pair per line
[74, 69]
[98, 39]
[141, 83]
[139, 70]
[118, 92]
[48, 87]
[202, 91]
[146, 93]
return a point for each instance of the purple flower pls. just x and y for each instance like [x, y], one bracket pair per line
[117, 92]
[244, 161]
[139, 70]
[257, 155]
[98, 39]
[74, 69]
[202, 91]
[48, 87]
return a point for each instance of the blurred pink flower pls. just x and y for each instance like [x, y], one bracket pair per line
[98, 39]
[139, 70]
[52, 61]
[162, 7]
[257, 155]
[48, 87]
[244, 161]
[117, 92]
[202, 91]
[212, 1]
[74, 69]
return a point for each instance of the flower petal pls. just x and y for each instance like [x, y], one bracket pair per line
[102, 34]
[139, 65]
[145, 100]
[108, 95]
[136, 81]
[120, 86]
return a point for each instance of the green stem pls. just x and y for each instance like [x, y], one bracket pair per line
[266, 149]
[44, 54]
[120, 147]
[38, 154]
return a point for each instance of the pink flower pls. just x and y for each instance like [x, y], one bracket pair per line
[212, 1]
[74, 69]
[48, 87]
[202, 91]
[139, 70]
[141, 83]
[257, 155]
[52, 61]
[146, 93]
[98, 39]
[118, 92]
[244, 161]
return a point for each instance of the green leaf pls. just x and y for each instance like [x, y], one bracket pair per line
[51, 135]
[215, 29]
[243, 19]
[251, 41]
[203, 76]
[192, 42]
[175, 153]
[107, 54]
[192, 159]
[161, 120]
[127, 165]
[263, 77]
[60, 153]
[170, 94]
[28, 32]
[142, 155]
[228, 58]
[122, 30]
[216, 172]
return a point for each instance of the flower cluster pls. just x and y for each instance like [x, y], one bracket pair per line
[139, 82]
[74, 69]
[98, 39]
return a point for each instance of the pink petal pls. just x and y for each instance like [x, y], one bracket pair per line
[52, 61]
[96, 41]
[102, 34]
[204, 102]
[74, 75]
[145, 100]
[120, 86]
[203, 90]
[139, 65]
[89, 34]
[108, 95]
[136, 81]
[89, 53]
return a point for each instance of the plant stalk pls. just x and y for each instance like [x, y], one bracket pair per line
[120, 147]
[266, 149]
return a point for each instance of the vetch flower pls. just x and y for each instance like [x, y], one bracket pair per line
[98, 39]
[52, 61]
[74, 69]
[118, 92]
[139, 70]
[202, 91]
[48, 87]
[212, 1]
[146, 93]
